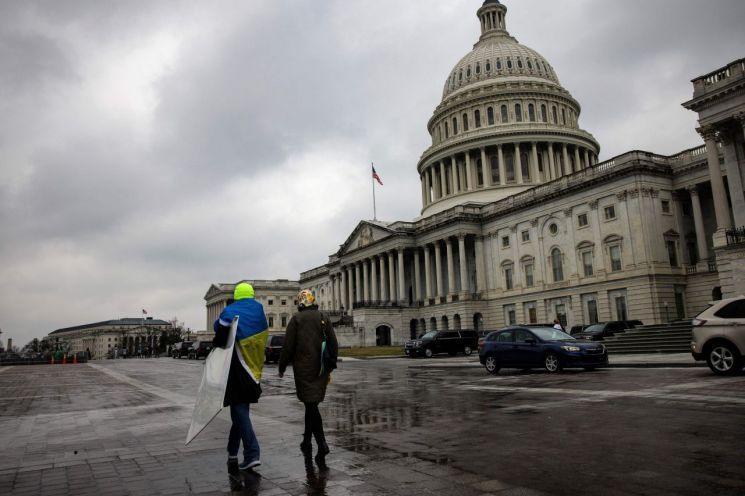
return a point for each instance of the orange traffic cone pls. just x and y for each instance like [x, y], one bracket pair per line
[64, 359]
[75, 359]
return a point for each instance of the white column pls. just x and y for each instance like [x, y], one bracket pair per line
[401, 277]
[427, 187]
[427, 273]
[518, 165]
[375, 296]
[383, 279]
[417, 276]
[424, 189]
[391, 277]
[443, 180]
[480, 281]
[500, 164]
[365, 281]
[463, 263]
[698, 220]
[469, 173]
[734, 180]
[534, 154]
[565, 154]
[438, 270]
[577, 164]
[453, 175]
[485, 170]
[451, 266]
[551, 163]
[721, 209]
[587, 158]
[357, 283]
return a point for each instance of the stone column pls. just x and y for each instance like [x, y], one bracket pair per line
[427, 273]
[500, 161]
[424, 189]
[480, 282]
[463, 263]
[565, 154]
[438, 270]
[484, 168]
[374, 295]
[391, 277]
[534, 154]
[428, 187]
[698, 220]
[357, 283]
[443, 180]
[518, 163]
[417, 276]
[734, 179]
[469, 174]
[598, 255]
[721, 209]
[383, 279]
[551, 163]
[401, 277]
[365, 281]
[453, 175]
[451, 266]
[587, 158]
[577, 164]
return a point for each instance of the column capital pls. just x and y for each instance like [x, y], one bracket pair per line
[568, 212]
[740, 117]
[593, 204]
[707, 132]
[621, 195]
[692, 189]
[461, 236]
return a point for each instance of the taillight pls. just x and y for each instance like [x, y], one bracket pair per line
[697, 322]
[482, 342]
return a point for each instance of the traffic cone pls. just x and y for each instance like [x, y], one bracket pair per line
[64, 359]
[75, 359]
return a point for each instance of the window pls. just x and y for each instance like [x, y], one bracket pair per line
[556, 118]
[479, 172]
[582, 220]
[488, 66]
[499, 64]
[284, 321]
[531, 112]
[592, 311]
[544, 115]
[528, 270]
[505, 241]
[587, 260]
[518, 112]
[525, 235]
[692, 253]
[477, 118]
[490, 116]
[494, 169]
[680, 308]
[621, 312]
[447, 131]
[665, 206]
[510, 318]
[505, 337]
[734, 310]
[530, 311]
[615, 259]
[460, 75]
[561, 314]
[271, 321]
[563, 116]
[505, 117]
[672, 252]
[465, 122]
[468, 71]
[519, 63]
[553, 229]
[509, 63]
[556, 265]
[610, 212]
[270, 301]
[530, 64]
[508, 282]
[478, 67]
[455, 126]
[284, 302]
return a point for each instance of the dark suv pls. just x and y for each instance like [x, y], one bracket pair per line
[200, 349]
[274, 348]
[450, 342]
[180, 350]
[596, 332]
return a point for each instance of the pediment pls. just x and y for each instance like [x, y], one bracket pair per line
[366, 233]
[215, 289]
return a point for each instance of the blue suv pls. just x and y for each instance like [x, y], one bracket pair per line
[533, 347]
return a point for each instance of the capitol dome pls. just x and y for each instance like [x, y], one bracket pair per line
[505, 124]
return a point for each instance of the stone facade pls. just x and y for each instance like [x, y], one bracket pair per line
[279, 298]
[520, 223]
[100, 337]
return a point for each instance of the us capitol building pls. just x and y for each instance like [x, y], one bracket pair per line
[521, 224]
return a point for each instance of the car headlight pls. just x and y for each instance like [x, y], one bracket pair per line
[417, 344]
[570, 348]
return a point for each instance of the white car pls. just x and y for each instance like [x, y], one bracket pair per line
[719, 336]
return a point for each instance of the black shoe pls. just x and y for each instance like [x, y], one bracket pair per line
[306, 447]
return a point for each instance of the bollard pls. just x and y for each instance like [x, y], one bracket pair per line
[75, 359]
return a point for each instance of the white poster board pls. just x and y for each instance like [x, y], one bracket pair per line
[212, 389]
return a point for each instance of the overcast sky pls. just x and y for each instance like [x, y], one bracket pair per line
[151, 148]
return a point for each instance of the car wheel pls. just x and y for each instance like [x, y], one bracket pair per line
[723, 359]
[467, 350]
[428, 352]
[491, 365]
[552, 363]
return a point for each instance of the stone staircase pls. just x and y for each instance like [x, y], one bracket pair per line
[664, 338]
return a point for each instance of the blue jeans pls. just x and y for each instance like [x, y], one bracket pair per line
[242, 430]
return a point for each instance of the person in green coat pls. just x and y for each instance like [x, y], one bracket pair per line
[304, 338]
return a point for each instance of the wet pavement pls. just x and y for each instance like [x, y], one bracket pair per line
[396, 427]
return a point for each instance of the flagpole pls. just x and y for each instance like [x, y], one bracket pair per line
[375, 212]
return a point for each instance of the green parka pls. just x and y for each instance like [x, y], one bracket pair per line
[302, 349]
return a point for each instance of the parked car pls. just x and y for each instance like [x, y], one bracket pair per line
[199, 349]
[450, 342]
[578, 329]
[533, 347]
[597, 332]
[180, 350]
[719, 336]
[274, 347]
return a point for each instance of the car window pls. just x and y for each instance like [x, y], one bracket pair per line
[551, 334]
[733, 310]
[593, 329]
[505, 337]
[521, 335]
[278, 340]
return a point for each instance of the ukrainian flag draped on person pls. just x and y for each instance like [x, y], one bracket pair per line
[253, 329]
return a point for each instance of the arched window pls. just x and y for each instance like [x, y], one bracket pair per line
[556, 118]
[509, 167]
[530, 65]
[478, 67]
[447, 131]
[479, 172]
[465, 122]
[445, 325]
[468, 71]
[460, 75]
[490, 116]
[519, 63]
[488, 66]
[518, 112]
[455, 126]
[477, 118]
[525, 166]
[556, 265]
[509, 63]
[544, 115]
[563, 117]
[505, 117]
[531, 112]
[494, 162]
[499, 64]
[433, 324]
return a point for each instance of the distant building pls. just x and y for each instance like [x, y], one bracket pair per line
[279, 298]
[131, 333]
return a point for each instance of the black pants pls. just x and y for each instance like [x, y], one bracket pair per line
[313, 423]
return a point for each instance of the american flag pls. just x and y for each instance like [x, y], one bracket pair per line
[376, 176]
